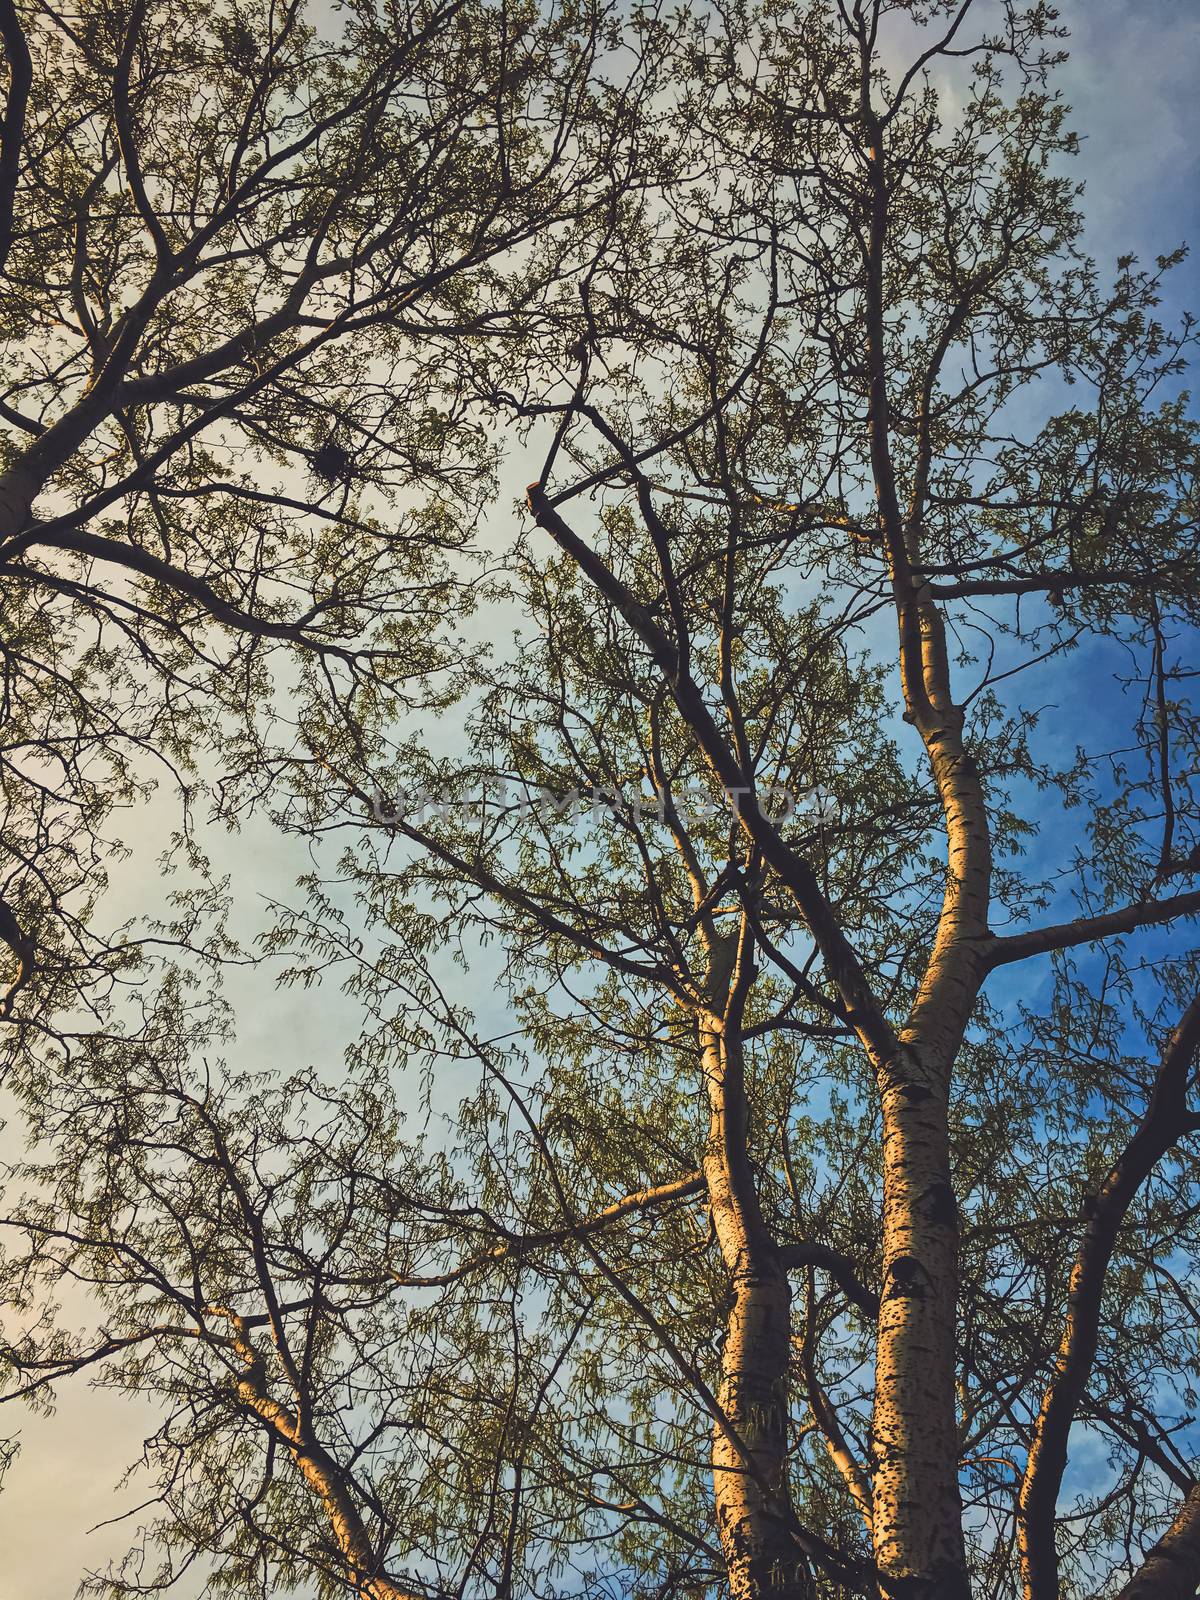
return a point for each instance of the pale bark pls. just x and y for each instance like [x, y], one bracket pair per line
[917, 1520]
[318, 1469]
[751, 1495]
[917, 1511]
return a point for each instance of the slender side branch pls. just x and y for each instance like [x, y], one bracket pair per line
[862, 1008]
[513, 1249]
[839, 1267]
[1065, 935]
[825, 1415]
[319, 1471]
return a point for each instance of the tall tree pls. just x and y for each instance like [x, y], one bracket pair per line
[781, 1240]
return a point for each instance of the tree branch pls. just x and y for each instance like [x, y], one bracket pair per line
[1171, 1569]
[12, 124]
[1163, 1124]
[521, 1245]
[1065, 935]
[841, 1269]
[863, 1010]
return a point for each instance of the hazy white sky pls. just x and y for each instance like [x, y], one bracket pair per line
[1131, 80]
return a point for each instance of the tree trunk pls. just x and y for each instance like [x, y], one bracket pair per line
[917, 1519]
[917, 1514]
[750, 1473]
[763, 1560]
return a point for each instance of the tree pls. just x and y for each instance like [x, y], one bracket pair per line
[769, 1252]
[234, 243]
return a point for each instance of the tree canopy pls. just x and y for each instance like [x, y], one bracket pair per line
[236, 242]
[763, 859]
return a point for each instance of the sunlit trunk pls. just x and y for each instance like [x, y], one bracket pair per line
[917, 1518]
[750, 1479]
[347, 1532]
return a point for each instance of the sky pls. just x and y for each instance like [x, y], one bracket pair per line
[1131, 80]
